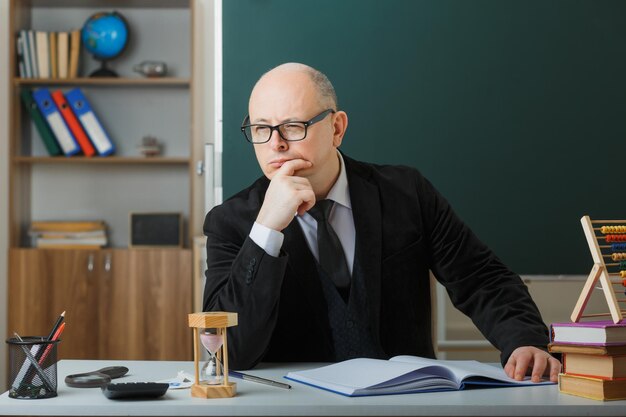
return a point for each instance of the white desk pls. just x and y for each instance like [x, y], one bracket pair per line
[256, 399]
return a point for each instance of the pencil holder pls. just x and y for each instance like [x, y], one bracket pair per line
[32, 367]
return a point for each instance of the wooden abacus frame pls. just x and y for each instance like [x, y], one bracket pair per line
[600, 273]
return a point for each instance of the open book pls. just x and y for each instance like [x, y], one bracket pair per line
[403, 375]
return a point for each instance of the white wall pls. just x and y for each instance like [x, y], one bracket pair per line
[4, 186]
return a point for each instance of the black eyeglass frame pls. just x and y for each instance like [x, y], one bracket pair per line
[306, 124]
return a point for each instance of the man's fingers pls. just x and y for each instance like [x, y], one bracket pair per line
[537, 362]
[521, 366]
[308, 201]
[509, 368]
[290, 167]
[555, 368]
[540, 363]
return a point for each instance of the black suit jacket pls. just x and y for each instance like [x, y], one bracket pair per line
[404, 227]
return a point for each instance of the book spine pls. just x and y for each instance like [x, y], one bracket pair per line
[62, 45]
[74, 53]
[32, 49]
[20, 57]
[26, 49]
[43, 58]
[53, 55]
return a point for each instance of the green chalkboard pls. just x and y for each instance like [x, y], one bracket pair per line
[515, 110]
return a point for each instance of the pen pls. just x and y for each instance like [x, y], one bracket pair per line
[258, 379]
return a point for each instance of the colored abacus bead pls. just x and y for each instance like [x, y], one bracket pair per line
[612, 229]
[618, 247]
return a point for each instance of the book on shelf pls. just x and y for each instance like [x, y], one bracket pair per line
[53, 55]
[46, 134]
[79, 242]
[23, 42]
[403, 375]
[73, 124]
[57, 234]
[32, 52]
[62, 54]
[74, 53]
[594, 388]
[67, 226]
[597, 366]
[83, 110]
[603, 332]
[43, 55]
[19, 47]
[51, 113]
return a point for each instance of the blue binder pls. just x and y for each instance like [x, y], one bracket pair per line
[90, 122]
[51, 113]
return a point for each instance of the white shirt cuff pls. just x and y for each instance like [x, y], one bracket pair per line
[268, 239]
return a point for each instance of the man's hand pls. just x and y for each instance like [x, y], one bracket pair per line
[525, 358]
[286, 195]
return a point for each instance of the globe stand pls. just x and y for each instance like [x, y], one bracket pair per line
[103, 71]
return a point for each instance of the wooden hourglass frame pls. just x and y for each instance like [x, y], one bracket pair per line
[600, 271]
[218, 320]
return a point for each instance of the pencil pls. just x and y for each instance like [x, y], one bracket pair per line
[56, 325]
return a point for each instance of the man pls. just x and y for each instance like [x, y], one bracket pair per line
[272, 254]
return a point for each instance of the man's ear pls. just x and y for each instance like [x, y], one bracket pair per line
[340, 124]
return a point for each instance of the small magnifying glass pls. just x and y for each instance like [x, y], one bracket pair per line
[95, 379]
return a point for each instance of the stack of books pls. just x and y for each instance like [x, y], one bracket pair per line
[594, 358]
[68, 234]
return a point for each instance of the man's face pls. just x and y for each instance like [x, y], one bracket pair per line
[283, 96]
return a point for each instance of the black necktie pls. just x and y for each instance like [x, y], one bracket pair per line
[331, 255]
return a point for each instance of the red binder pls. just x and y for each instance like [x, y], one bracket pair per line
[73, 124]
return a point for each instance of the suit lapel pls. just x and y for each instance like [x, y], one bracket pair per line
[366, 212]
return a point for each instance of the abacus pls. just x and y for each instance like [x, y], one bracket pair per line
[607, 241]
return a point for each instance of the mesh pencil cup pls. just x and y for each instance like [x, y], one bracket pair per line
[32, 367]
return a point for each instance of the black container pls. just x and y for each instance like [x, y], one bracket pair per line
[32, 367]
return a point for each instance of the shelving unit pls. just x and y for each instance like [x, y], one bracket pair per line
[109, 188]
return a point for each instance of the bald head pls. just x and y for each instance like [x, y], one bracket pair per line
[321, 85]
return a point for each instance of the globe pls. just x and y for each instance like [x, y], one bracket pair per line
[105, 36]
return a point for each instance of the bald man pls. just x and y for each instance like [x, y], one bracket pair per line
[326, 258]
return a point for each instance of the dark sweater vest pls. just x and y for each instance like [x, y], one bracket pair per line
[349, 325]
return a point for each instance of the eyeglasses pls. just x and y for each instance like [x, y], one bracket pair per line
[289, 131]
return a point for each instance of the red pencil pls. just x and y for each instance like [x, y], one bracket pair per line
[56, 336]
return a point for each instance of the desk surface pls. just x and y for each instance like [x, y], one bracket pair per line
[256, 399]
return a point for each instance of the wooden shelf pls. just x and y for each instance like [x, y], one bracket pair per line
[111, 3]
[100, 160]
[105, 81]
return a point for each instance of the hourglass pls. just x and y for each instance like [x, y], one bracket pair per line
[212, 380]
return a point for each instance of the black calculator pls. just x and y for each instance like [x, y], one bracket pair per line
[134, 390]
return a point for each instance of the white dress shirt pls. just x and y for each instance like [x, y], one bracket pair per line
[340, 219]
